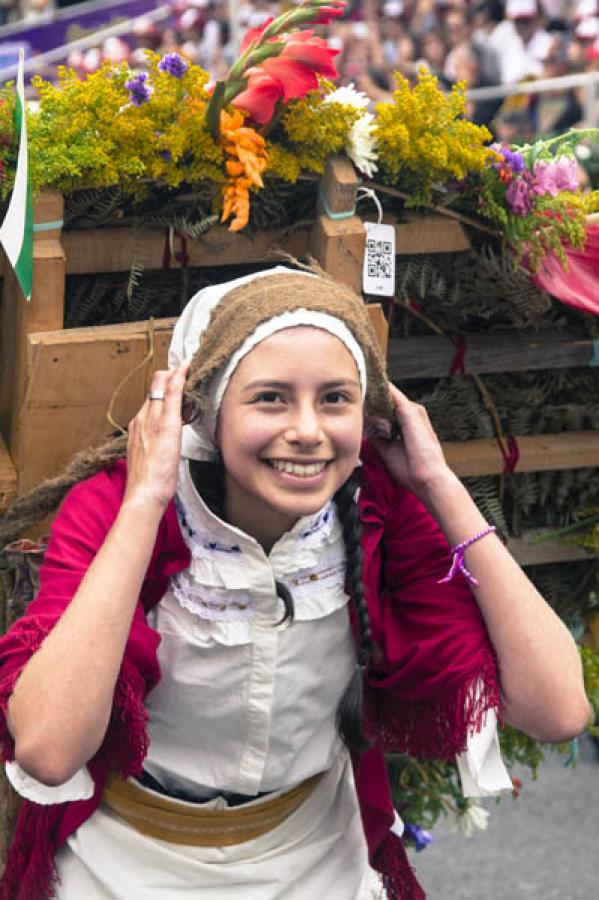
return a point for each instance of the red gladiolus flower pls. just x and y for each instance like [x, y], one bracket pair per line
[260, 97]
[312, 51]
[326, 13]
[289, 75]
[253, 34]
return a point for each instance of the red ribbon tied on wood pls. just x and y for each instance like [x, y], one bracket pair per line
[510, 453]
[458, 365]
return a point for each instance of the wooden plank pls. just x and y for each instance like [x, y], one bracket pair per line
[8, 477]
[339, 184]
[92, 250]
[379, 324]
[591, 635]
[430, 233]
[339, 246]
[431, 356]
[70, 381]
[528, 551]
[45, 310]
[538, 453]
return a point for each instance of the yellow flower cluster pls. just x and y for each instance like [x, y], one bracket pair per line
[89, 134]
[423, 137]
[316, 130]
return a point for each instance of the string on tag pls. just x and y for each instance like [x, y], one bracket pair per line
[363, 192]
[144, 362]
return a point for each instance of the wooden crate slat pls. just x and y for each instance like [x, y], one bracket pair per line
[529, 552]
[71, 379]
[430, 233]
[92, 250]
[8, 477]
[538, 453]
[431, 356]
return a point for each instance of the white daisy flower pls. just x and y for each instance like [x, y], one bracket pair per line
[361, 144]
[474, 817]
[348, 96]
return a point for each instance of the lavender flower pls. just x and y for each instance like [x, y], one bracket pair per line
[173, 65]
[512, 159]
[418, 835]
[139, 90]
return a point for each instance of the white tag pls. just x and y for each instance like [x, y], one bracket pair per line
[379, 260]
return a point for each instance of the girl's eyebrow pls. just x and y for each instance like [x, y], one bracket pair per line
[287, 385]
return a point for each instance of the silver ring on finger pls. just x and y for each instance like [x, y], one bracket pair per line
[157, 395]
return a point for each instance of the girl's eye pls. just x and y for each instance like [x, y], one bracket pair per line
[268, 397]
[334, 398]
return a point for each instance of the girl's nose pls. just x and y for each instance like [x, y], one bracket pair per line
[305, 426]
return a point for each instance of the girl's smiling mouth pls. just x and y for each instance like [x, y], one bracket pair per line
[303, 470]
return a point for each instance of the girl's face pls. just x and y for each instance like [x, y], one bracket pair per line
[289, 430]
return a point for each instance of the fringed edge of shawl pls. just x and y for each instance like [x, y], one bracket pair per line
[437, 729]
[392, 863]
[126, 744]
[30, 873]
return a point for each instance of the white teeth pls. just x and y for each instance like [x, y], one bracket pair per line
[282, 465]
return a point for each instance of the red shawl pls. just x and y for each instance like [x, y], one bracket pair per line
[420, 695]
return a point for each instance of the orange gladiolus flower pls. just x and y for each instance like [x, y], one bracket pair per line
[247, 159]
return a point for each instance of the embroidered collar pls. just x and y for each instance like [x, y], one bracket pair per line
[207, 534]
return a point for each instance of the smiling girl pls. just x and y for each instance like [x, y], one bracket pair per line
[233, 625]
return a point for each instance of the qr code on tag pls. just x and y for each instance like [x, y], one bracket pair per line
[379, 258]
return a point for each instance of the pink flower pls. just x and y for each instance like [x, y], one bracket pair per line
[553, 176]
[567, 173]
[290, 74]
[518, 196]
[545, 178]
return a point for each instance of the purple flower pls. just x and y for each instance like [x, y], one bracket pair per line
[418, 835]
[513, 159]
[518, 196]
[173, 65]
[139, 90]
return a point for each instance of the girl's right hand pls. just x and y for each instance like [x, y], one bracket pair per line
[154, 443]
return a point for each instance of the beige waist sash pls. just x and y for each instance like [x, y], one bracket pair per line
[169, 820]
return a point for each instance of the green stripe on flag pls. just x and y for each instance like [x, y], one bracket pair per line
[16, 232]
[23, 265]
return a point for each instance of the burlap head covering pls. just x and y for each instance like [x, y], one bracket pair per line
[223, 322]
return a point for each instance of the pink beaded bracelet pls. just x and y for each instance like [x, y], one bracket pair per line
[458, 564]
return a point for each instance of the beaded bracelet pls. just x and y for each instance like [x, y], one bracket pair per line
[458, 564]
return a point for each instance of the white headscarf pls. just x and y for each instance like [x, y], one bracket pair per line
[198, 439]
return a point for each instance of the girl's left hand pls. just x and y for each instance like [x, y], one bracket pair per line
[415, 459]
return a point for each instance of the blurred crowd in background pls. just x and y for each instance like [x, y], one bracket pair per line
[481, 42]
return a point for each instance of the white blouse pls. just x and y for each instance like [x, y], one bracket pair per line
[251, 700]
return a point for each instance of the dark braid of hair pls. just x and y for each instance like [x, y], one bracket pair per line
[349, 711]
[46, 497]
[209, 480]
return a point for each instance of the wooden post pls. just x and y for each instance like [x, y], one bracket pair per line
[338, 244]
[8, 477]
[19, 318]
